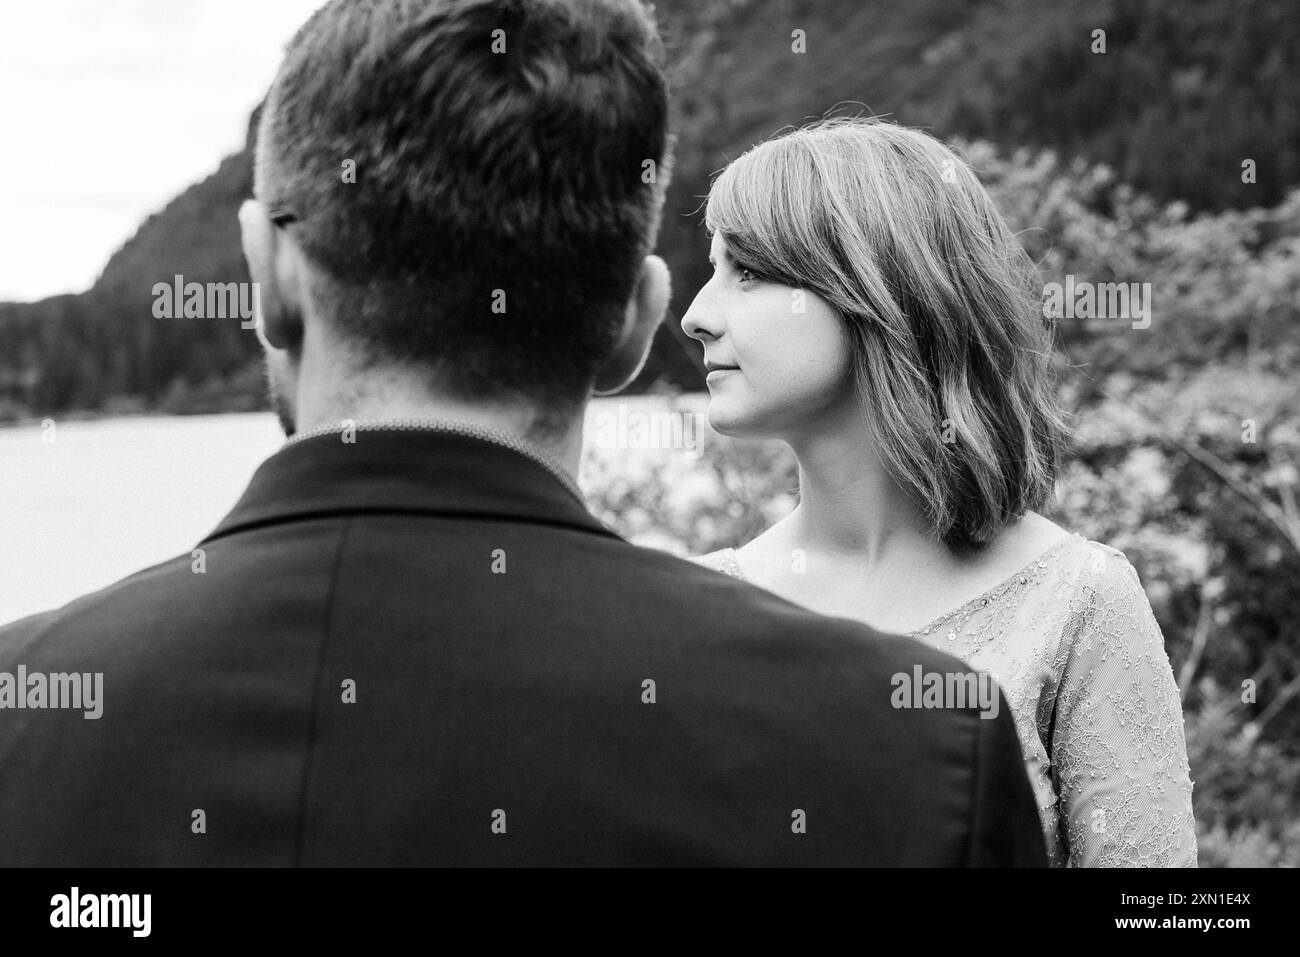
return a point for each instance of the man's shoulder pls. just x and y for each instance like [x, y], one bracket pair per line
[123, 620]
[704, 590]
[98, 609]
[196, 591]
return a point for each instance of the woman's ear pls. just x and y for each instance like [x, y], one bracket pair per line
[275, 266]
[644, 313]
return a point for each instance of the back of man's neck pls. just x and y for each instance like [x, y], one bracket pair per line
[361, 409]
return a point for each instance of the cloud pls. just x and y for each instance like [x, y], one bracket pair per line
[110, 110]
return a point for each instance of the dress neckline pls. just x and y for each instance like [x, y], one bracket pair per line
[1020, 576]
[980, 600]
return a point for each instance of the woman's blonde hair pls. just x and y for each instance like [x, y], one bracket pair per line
[951, 351]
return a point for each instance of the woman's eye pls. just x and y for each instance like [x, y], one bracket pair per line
[753, 276]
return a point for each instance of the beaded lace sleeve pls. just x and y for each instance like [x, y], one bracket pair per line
[1118, 750]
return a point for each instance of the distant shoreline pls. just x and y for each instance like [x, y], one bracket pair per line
[691, 400]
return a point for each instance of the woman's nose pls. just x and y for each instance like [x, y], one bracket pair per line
[699, 321]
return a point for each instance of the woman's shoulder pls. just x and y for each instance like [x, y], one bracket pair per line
[1100, 565]
[723, 560]
[1086, 559]
[1106, 598]
[761, 554]
[1090, 583]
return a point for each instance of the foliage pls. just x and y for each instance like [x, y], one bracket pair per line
[1186, 457]
[690, 502]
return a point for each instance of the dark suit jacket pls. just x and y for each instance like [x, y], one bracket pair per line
[497, 640]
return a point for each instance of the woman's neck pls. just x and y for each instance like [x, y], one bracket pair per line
[850, 508]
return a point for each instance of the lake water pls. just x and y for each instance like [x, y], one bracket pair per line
[109, 497]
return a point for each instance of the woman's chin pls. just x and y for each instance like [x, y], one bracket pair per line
[726, 419]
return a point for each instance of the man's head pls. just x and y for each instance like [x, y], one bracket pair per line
[463, 194]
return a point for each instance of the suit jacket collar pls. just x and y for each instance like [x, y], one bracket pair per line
[410, 471]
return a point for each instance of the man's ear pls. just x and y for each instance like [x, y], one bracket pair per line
[276, 267]
[644, 313]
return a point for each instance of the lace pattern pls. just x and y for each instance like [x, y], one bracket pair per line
[1073, 643]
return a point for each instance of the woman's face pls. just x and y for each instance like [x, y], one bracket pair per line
[779, 358]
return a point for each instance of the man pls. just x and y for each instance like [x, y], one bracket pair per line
[409, 642]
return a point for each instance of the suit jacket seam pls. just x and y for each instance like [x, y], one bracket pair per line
[327, 625]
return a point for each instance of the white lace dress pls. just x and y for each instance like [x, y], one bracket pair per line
[1073, 643]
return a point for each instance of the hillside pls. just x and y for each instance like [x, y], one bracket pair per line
[1181, 96]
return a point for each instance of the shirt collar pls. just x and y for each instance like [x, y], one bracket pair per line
[486, 433]
[414, 468]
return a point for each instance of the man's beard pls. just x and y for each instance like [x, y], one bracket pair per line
[279, 402]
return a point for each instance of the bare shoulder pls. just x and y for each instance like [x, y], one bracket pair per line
[1030, 536]
[717, 560]
[1018, 544]
[750, 561]
[1101, 561]
[764, 557]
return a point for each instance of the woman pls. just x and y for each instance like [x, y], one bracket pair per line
[870, 308]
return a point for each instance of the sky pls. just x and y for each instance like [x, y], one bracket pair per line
[108, 109]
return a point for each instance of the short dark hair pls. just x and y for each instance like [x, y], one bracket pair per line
[476, 170]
